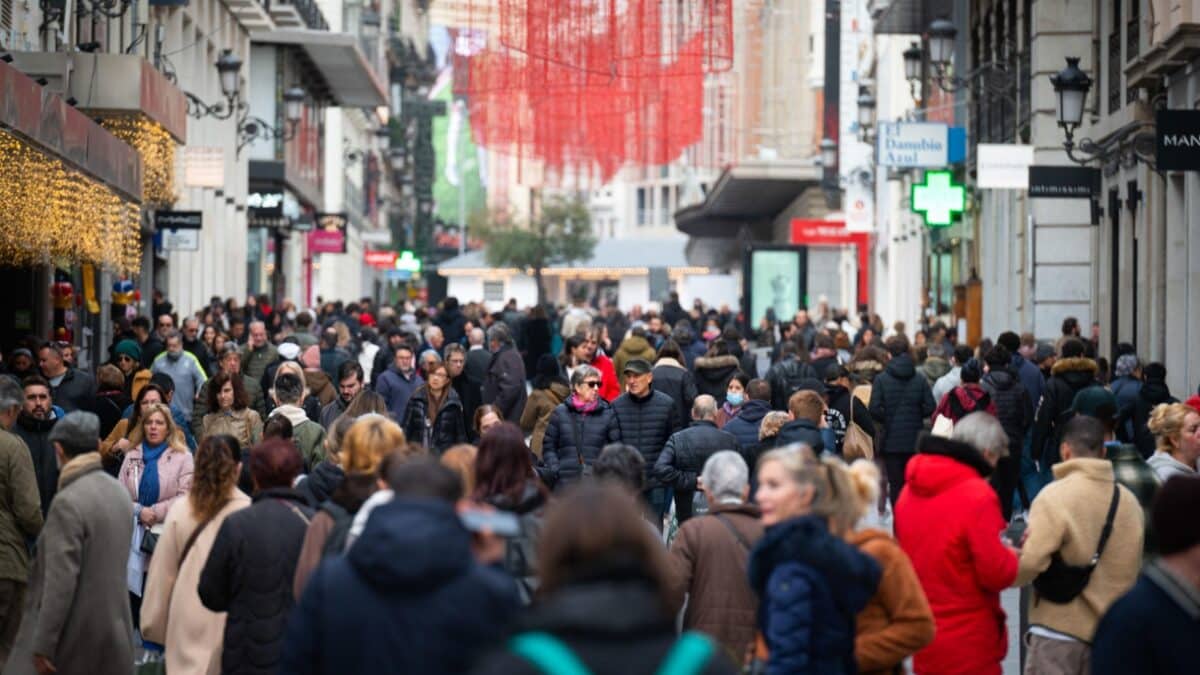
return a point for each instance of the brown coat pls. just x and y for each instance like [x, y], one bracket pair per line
[536, 416]
[320, 385]
[710, 566]
[897, 622]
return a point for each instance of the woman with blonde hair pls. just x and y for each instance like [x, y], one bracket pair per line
[810, 582]
[157, 471]
[369, 440]
[1176, 429]
[172, 613]
[897, 621]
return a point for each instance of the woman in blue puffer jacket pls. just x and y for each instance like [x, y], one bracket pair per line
[578, 430]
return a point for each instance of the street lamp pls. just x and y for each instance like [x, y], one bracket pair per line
[912, 62]
[293, 104]
[866, 108]
[228, 66]
[1071, 86]
[1128, 144]
[828, 153]
[941, 42]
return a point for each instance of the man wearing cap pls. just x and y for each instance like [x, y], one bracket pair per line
[77, 617]
[1068, 522]
[1153, 629]
[258, 352]
[645, 420]
[20, 514]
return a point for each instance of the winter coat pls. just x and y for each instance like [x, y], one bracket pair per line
[676, 381]
[504, 383]
[254, 392]
[609, 387]
[810, 585]
[948, 521]
[331, 411]
[1125, 389]
[947, 382]
[535, 338]
[897, 622]
[108, 406]
[744, 426]
[175, 469]
[255, 361]
[839, 416]
[901, 402]
[646, 423]
[21, 517]
[396, 388]
[632, 347]
[614, 627]
[520, 552]
[683, 457]
[331, 360]
[713, 374]
[328, 533]
[1067, 378]
[453, 325]
[964, 400]
[77, 605]
[244, 425]
[692, 350]
[307, 435]
[1166, 466]
[1014, 408]
[1151, 629]
[408, 597]
[320, 483]
[320, 385]
[1066, 519]
[537, 411]
[934, 368]
[172, 613]
[187, 374]
[801, 431]
[448, 427]
[249, 575]
[36, 435]
[76, 390]
[1137, 415]
[569, 429]
[786, 378]
[1031, 377]
[709, 564]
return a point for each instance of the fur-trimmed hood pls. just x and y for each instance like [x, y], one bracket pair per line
[1075, 364]
[725, 361]
[956, 450]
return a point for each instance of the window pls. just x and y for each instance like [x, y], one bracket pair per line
[641, 207]
[6, 19]
[493, 291]
[665, 204]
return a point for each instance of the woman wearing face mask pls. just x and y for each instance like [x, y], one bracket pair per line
[810, 582]
[231, 411]
[578, 430]
[434, 416]
[735, 398]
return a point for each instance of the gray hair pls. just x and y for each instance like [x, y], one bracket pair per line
[582, 373]
[77, 432]
[11, 394]
[704, 407]
[476, 336]
[256, 322]
[431, 331]
[173, 334]
[725, 476]
[936, 349]
[982, 432]
[191, 321]
[428, 353]
[499, 333]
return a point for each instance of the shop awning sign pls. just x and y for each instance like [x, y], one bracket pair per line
[1003, 166]
[329, 235]
[178, 220]
[1064, 182]
[380, 259]
[1177, 141]
[938, 199]
[913, 144]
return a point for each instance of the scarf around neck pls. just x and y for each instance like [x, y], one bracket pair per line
[580, 406]
[148, 485]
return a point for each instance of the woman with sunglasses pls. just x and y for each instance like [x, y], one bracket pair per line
[127, 356]
[578, 429]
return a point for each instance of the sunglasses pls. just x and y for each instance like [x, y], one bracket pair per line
[592, 384]
[124, 358]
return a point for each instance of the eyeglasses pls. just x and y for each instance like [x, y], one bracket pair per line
[164, 325]
[123, 357]
[592, 384]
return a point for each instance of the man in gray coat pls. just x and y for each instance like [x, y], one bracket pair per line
[20, 514]
[77, 616]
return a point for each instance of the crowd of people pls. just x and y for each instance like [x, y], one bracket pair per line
[353, 488]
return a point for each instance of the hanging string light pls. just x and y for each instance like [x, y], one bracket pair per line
[157, 149]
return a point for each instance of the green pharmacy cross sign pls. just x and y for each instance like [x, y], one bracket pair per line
[938, 199]
[407, 262]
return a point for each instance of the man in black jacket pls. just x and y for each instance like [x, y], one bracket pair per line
[1072, 372]
[72, 389]
[504, 382]
[807, 409]
[451, 321]
[785, 377]
[645, 420]
[683, 457]
[1014, 409]
[902, 402]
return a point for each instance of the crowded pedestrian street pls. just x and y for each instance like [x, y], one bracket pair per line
[598, 337]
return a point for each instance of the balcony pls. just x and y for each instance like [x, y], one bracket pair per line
[1172, 43]
[298, 14]
[253, 14]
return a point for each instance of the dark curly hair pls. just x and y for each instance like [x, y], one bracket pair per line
[215, 474]
[241, 400]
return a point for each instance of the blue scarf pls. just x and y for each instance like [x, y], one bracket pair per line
[148, 486]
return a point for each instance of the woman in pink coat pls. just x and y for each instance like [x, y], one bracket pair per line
[158, 470]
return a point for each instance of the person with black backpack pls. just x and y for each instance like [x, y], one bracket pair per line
[787, 376]
[967, 397]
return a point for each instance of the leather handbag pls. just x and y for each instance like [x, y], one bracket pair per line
[1061, 583]
[857, 444]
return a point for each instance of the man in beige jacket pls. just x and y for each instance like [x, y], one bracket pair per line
[1067, 519]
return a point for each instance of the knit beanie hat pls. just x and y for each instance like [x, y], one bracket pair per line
[1174, 517]
[971, 372]
[311, 358]
[1125, 366]
[129, 348]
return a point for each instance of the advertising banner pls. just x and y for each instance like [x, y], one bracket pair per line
[329, 235]
[913, 144]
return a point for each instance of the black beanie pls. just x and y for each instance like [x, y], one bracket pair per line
[1174, 517]
[971, 372]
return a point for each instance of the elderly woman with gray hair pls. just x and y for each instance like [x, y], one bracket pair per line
[578, 430]
[710, 554]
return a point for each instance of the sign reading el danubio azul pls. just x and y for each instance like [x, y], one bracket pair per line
[1177, 144]
[913, 144]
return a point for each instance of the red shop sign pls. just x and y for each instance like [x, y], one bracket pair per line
[381, 259]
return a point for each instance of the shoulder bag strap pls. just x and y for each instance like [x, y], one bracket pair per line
[298, 512]
[187, 547]
[577, 425]
[1108, 525]
[733, 530]
[549, 654]
[689, 655]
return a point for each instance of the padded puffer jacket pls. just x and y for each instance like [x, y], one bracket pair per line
[901, 401]
[574, 436]
[646, 423]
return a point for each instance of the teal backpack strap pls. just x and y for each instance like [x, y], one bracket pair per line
[690, 655]
[548, 653]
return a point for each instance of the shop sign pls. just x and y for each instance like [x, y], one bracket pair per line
[913, 144]
[860, 208]
[1177, 143]
[265, 204]
[380, 259]
[329, 235]
[408, 262]
[1064, 182]
[178, 220]
[180, 240]
[1003, 166]
[203, 167]
[938, 199]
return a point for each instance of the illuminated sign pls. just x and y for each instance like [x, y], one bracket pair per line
[938, 199]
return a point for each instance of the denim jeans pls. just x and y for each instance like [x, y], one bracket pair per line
[658, 500]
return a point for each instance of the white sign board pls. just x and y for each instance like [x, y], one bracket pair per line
[858, 202]
[180, 240]
[913, 144]
[1004, 166]
[203, 167]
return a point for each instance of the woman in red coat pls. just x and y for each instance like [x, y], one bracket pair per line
[948, 522]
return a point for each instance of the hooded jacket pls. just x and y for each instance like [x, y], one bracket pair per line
[802, 431]
[744, 426]
[676, 381]
[36, 435]
[948, 521]
[897, 622]
[810, 585]
[448, 428]
[1151, 393]
[934, 368]
[318, 485]
[785, 379]
[307, 435]
[1014, 409]
[537, 411]
[408, 597]
[964, 400]
[1067, 378]
[1166, 466]
[574, 436]
[713, 374]
[632, 347]
[901, 402]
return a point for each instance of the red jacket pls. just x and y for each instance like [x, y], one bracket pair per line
[948, 522]
[609, 387]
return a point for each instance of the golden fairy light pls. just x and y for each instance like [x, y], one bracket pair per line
[50, 211]
[157, 149]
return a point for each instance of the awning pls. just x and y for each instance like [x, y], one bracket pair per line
[336, 56]
[910, 17]
[750, 194]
